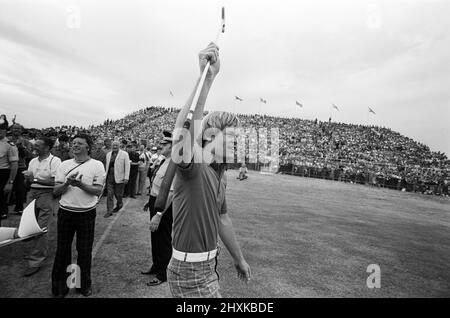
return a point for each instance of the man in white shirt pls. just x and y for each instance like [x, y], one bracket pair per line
[41, 176]
[79, 182]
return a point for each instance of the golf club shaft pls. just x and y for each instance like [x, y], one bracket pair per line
[161, 200]
[205, 70]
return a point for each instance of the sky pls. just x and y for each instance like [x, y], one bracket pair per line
[81, 62]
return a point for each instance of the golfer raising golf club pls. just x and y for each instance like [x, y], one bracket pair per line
[199, 203]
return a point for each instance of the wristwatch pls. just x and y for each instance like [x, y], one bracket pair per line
[11, 181]
[159, 213]
[35, 180]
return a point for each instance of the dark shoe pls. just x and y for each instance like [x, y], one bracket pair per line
[59, 289]
[132, 196]
[107, 215]
[30, 271]
[155, 281]
[138, 193]
[117, 208]
[85, 292]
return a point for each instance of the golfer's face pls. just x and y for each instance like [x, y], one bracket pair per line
[115, 146]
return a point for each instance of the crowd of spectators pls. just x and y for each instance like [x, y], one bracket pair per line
[355, 153]
[371, 155]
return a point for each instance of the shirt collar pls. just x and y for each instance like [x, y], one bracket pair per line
[49, 157]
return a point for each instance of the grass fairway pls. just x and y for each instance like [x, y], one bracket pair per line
[302, 237]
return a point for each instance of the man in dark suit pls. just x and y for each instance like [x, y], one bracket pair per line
[130, 188]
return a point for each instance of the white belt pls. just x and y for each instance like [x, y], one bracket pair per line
[194, 257]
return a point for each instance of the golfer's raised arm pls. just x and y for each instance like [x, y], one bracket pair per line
[210, 54]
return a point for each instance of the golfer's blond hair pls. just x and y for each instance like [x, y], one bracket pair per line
[218, 120]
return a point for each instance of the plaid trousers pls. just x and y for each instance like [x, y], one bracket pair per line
[193, 280]
[83, 225]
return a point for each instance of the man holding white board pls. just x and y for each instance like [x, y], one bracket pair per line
[41, 177]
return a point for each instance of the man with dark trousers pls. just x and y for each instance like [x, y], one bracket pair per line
[79, 182]
[130, 188]
[161, 222]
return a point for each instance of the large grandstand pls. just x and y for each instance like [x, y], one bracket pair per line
[372, 155]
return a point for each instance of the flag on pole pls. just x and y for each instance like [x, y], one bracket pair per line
[171, 94]
[335, 107]
[371, 111]
[298, 104]
[238, 98]
[263, 100]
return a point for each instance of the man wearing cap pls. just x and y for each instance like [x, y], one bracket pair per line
[41, 178]
[9, 157]
[117, 176]
[161, 222]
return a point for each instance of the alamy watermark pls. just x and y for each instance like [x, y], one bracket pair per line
[73, 20]
[374, 279]
[74, 279]
[230, 145]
